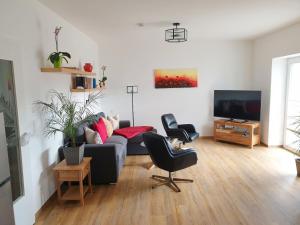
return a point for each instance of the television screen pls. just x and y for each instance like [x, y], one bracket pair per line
[244, 105]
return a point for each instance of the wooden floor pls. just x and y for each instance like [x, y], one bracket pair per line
[233, 185]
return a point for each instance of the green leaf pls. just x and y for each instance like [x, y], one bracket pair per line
[51, 54]
[65, 115]
[65, 59]
[54, 57]
[66, 54]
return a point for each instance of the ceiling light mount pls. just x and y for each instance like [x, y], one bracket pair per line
[176, 34]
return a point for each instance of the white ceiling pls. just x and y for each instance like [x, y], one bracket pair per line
[213, 19]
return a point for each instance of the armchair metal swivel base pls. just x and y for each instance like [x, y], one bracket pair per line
[169, 181]
[164, 157]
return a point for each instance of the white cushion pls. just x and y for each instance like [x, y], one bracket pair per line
[115, 120]
[109, 127]
[92, 137]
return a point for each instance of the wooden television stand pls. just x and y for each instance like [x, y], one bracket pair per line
[244, 133]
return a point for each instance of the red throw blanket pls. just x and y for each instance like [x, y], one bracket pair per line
[130, 132]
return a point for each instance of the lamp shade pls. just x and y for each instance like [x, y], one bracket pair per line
[176, 34]
[132, 89]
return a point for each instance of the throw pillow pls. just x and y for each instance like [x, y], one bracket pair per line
[115, 120]
[101, 129]
[92, 137]
[109, 127]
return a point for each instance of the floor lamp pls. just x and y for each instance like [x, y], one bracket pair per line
[132, 89]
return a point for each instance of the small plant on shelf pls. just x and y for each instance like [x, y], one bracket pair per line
[296, 131]
[57, 57]
[104, 78]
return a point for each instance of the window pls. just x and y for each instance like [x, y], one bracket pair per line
[292, 103]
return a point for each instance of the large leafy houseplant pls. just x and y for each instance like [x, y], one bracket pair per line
[57, 56]
[66, 115]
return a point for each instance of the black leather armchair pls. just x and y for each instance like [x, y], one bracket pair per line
[164, 157]
[183, 132]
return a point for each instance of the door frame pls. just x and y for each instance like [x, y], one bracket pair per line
[290, 61]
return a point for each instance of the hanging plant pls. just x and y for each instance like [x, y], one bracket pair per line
[57, 57]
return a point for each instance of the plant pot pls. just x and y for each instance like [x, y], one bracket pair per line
[57, 63]
[298, 166]
[73, 155]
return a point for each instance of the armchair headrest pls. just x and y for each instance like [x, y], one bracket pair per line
[169, 121]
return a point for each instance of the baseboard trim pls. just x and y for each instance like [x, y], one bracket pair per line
[271, 146]
[264, 144]
[48, 202]
[291, 151]
[280, 146]
[206, 137]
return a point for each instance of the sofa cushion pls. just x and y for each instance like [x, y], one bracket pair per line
[116, 139]
[92, 137]
[101, 129]
[80, 136]
[109, 127]
[115, 121]
[99, 115]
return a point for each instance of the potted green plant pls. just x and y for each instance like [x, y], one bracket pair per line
[57, 56]
[104, 78]
[65, 115]
[296, 131]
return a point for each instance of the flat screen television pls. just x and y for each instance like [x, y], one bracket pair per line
[241, 105]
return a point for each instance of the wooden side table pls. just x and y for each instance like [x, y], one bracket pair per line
[69, 173]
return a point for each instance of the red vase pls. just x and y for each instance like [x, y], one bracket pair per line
[88, 67]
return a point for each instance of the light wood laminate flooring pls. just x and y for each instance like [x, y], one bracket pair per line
[233, 185]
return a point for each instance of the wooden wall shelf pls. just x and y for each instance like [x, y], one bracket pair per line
[72, 71]
[86, 90]
[247, 133]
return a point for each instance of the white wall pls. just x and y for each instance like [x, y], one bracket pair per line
[131, 59]
[281, 43]
[277, 100]
[26, 34]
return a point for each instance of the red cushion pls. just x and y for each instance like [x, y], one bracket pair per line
[101, 129]
[130, 132]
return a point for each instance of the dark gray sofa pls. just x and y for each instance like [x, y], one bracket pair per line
[107, 159]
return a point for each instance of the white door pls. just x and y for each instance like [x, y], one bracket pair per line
[292, 104]
[23, 210]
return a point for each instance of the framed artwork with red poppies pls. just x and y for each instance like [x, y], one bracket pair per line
[176, 78]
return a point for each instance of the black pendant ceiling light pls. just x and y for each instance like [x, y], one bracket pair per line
[176, 34]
